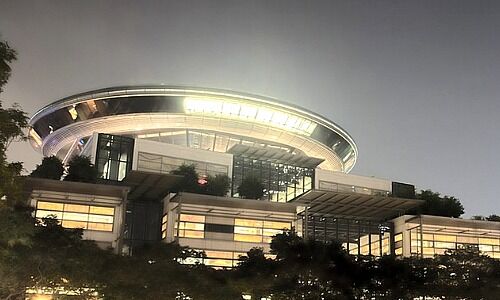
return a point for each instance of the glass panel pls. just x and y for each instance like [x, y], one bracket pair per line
[277, 225]
[75, 216]
[101, 219]
[219, 254]
[47, 213]
[192, 218]
[74, 224]
[100, 210]
[50, 205]
[76, 208]
[192, 234]
[248, 230]
[248, 238]
[100, 226]
[192, 226]
[248, 223]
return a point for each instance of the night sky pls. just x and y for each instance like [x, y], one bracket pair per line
[416, 83]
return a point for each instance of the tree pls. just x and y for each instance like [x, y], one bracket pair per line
[189, 182]
[50, 168]
[493, 218]
[12, 122]
[81, 169]
[251, 187]
[7, 56]
[217, 185]
[434, 204]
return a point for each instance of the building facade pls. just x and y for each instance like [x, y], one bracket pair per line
[136, 136]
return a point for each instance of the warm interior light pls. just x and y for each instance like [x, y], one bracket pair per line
[260, 114]
[72, 111]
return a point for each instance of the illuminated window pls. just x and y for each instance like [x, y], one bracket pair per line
[190, 226]
[241, 110]
[89, 217]
[257, 231]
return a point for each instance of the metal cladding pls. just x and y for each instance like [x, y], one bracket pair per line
[144, 111]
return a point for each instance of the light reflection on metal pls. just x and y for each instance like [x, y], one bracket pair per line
[249, 112]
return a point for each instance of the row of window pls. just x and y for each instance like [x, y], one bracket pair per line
[88, 217]
[345, 188]
[166, 164]
[243, 230]
[430, 244]
[219, 259]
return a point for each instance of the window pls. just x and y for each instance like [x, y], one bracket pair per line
[114, 156]
[257, 231]
[190, 226]
[89, 217]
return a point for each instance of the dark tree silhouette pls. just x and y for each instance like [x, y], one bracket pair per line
[251, 187]
[81, 169]
[217, 185]
[189, 182]
[437, 205]
[50, 168]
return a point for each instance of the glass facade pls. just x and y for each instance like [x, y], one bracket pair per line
[358, 237]
[428, 241]
[165, 164]
[346, 188]
[114, 156]
[207, 140]
[258, 231]
[239, 230]
[282, 182]
[88, 217]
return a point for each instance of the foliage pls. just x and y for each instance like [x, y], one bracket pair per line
[217, 185]
[434, 204]
[315, 270]
[251, 187]
[50, 168]
[189, 181]
[7, 56]
[12, 122]
[214, 185]
[493, 218]
[81, 169]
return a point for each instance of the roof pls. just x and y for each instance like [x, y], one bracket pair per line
[32, 183]
[230, 202]
[275, 155]
[149, 185]
[353, 205]
[454, 222]
[118, 110]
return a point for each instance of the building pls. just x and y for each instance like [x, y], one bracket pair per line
[137, 135]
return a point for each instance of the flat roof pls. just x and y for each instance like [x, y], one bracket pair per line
[149, 185]
[32, 183]
[352, 205]
[453, 222]
[275, 155]
[230, 202]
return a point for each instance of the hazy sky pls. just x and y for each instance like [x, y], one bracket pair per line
[416, 83]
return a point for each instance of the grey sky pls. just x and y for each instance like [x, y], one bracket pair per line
[416, 83]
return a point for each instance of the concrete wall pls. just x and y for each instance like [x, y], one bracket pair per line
[103, 238]
[142, 145]
[353, 180]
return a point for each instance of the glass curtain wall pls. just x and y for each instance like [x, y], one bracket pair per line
[114, 156]
[282, 182]
[358, 237]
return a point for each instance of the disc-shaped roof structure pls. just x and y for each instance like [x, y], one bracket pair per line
[144, 111]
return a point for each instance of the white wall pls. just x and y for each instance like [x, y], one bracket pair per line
[349, 179]
[102, 237]
[182, 152]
